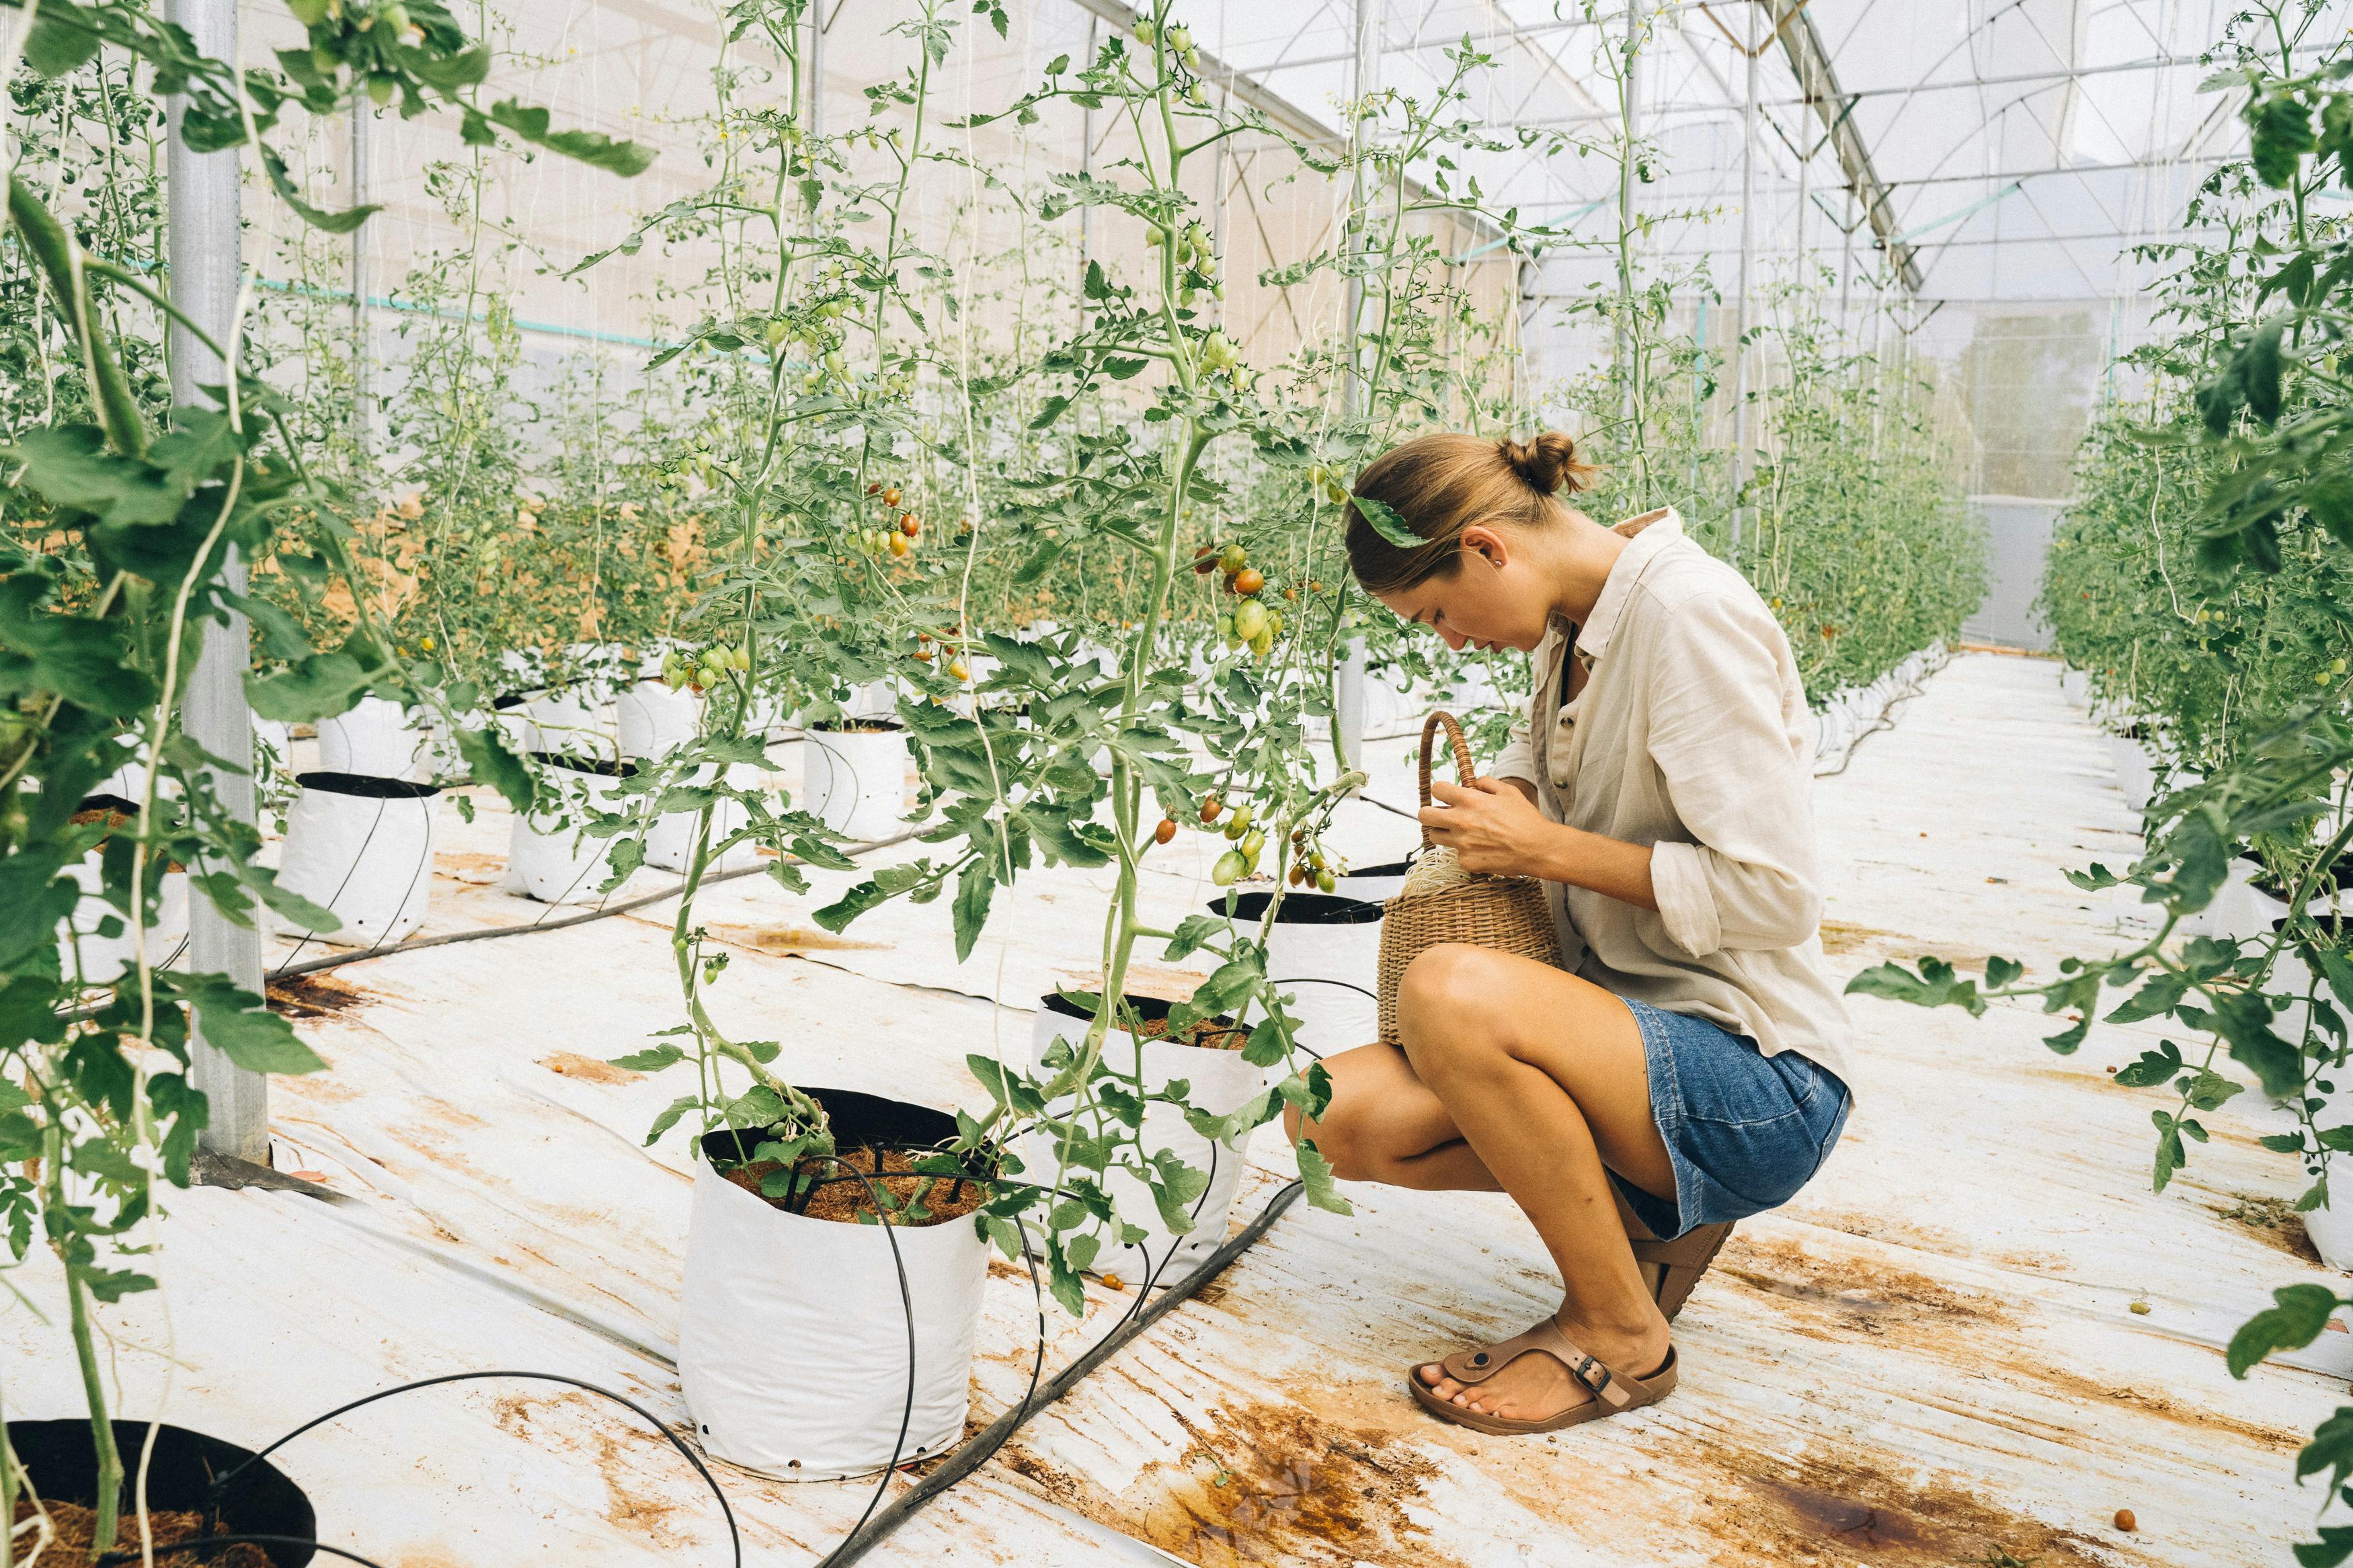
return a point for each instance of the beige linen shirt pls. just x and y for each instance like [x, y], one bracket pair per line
[1691, 735]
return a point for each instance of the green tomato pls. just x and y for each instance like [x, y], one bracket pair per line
[1244, 817]
[382, 88]
[1262, 644]
[310, 13]
[1250, 621]
[1253, 842]
[1229, 869]
[1232, 558]
[1236, 825]
[326, 62]
[1325, 882]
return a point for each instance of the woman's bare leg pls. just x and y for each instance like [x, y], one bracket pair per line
[1385, 1125]
[1544, 1076]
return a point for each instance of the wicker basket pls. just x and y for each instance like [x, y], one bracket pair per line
[1509, 914]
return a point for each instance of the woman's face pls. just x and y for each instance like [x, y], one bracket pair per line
[1495, 597]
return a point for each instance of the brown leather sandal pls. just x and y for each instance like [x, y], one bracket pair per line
[1614, 1392]
[1672, 1267]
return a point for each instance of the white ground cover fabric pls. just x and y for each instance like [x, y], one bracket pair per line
[1930, 1355]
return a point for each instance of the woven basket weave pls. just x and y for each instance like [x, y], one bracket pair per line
[1509, 914]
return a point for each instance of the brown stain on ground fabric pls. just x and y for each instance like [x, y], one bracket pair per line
[1839, 1506]
[781, 942]
[1265, 1483]
[623, 1457]
[313, 996]
[589, 1070]
[1863, 1294]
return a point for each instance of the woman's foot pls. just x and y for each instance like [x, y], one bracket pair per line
[1536, 1386]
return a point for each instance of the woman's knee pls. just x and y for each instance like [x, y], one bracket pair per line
[1453, 1004]
[1345, 1135]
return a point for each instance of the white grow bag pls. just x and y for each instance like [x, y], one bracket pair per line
[1324, 953]
[2136, 770]
[549, 857]
[374, 739]
[654, 721]
[362, 848]
[792, 1334]
[854, 780]
[106, 959]
[670, 842]
[1219, 1081]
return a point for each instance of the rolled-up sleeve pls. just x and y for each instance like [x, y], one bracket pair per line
[1518, 760]
[1722, 745]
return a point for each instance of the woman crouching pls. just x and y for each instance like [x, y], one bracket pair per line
[1687, 1066]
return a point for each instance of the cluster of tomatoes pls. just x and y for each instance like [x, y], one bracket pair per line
[1250, 624]
[1310, 865]
[1248, 842]
[894, 536]
[698, 672]
[924, 654]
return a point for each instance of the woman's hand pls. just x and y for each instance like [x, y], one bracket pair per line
[1494, 827]
[1491, 827]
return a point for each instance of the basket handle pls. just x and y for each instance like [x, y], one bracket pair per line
[1466, 771]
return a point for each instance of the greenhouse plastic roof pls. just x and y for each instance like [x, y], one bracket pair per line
[1974, 1338]
[2023, 145]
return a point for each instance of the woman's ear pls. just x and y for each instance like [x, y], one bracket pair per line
[1487, 544]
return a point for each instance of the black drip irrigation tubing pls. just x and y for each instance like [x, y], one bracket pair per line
[416, 943]
[983, 1446]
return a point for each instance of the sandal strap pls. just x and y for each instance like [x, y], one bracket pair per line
[1614, 1388]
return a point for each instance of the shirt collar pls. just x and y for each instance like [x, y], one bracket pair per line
[1593, 636]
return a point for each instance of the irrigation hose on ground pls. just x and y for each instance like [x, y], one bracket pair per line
[602, 912]
[983, 1446]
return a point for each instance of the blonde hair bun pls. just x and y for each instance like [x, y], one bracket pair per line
[1546, 464]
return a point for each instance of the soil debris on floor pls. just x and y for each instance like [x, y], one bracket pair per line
[312, 995]
[77, 1527]
[2270, 1220]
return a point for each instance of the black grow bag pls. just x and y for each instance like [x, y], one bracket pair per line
[1305, 909]
[602, 767]
[367, 786]
[59, 1457]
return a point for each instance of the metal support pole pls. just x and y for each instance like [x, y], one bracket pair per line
[1348, 704]
[819, 21]
[1628, 340]
[1740, 305]
[363, 341]
[1087, 166]
[204, 239]
[1804, 170]
[1364, 79]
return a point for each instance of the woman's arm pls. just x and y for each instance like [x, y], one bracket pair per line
[1493, 827]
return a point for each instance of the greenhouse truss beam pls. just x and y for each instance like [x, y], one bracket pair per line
[1793, 26]
[1247, 89]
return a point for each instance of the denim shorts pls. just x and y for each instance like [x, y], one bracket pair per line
[1745, 1130]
